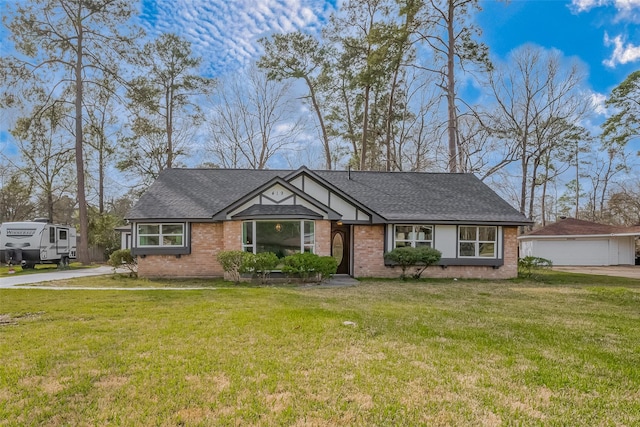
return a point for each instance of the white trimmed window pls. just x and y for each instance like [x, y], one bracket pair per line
[477, 242]
[160, 235]
[280, 237]
[414, 236]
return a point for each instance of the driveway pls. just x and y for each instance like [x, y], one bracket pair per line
[630, 271]
[8, 282]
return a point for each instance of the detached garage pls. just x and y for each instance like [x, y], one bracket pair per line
[576, 242]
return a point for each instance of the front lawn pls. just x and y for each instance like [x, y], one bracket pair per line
[379, 353]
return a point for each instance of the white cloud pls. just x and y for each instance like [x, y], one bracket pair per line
[627, 9]
[224, 32]
[622, 53]
[586, 5]
[598, 103]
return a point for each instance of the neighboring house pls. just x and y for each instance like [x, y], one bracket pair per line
[576, 242]
[125, 236]
[187, 216]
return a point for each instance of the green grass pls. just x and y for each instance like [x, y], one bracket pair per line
[420, 353]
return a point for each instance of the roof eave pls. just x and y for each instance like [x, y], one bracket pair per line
[396, 220]
[574, 236]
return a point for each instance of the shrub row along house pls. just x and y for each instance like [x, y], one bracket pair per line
[187, 216]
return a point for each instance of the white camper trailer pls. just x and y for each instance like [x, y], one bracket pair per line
[36, 242]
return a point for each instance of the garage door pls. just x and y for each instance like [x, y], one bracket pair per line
[574, 252]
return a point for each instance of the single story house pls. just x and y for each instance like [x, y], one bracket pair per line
[187, 216]
[572, 241]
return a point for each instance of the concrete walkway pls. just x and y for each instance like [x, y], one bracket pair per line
[630, 271]
[337, 281]
[31, 281]
[48, 276]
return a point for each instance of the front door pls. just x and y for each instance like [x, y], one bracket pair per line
[340, 247]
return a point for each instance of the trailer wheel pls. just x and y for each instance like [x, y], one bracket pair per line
[27, 266]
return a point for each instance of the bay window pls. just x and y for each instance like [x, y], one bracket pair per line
[280, 237]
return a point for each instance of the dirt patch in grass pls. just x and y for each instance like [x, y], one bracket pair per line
[6, 319]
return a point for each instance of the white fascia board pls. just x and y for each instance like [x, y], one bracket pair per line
[577, 236]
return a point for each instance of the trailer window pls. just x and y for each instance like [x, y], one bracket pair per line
[52, 235]
[62, 235]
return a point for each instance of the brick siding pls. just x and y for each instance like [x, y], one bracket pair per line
[369, 260]
[207, 239]
[323, 238]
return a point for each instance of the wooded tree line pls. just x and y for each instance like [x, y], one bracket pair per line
[388, 85]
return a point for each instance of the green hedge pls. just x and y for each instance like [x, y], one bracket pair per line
[408, 257]
[310, 266]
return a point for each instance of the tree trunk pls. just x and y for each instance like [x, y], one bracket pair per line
[49, 204]
[534, 174]
[101, 174]
[451, 90]
[325, 137]
[83, 214]
[365, 124]
[523, 185]
[169, 127]
[577, 184]
[543, 203]
[394, 83]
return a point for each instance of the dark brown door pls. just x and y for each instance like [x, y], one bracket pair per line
[340, 247]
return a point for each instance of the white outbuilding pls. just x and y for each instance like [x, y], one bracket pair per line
[576, 242]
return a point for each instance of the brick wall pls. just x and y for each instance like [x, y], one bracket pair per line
[368, 250]
[323, 238]
[207, 239]
[369, 260]
[510, 267]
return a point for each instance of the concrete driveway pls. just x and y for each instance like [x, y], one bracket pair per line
[630, 271]
[10, 281]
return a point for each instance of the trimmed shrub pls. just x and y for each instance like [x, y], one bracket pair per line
[307, 265]
[122, 258]
[408, 257]
[235, 263]
[327, 266]
[262, 264]
[528, 266]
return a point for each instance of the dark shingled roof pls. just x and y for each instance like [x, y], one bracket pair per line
[197, 193]
[577, 227]
[395, 196]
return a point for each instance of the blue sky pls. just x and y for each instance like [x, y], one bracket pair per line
[603, 34]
